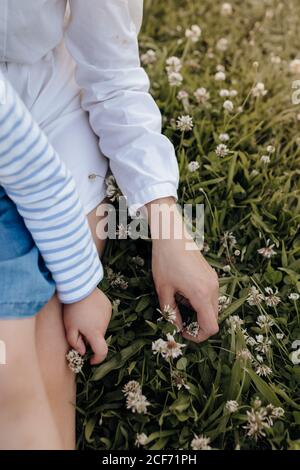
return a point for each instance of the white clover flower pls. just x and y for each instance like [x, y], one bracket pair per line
[223, 303]
[75, 361]
[254, 296]
[135, 400]
[137, 403]
[183, 96]
[175, 79]
[263, 370]
[141, 439]
[193, 329]
[220, 68]
[250, 341]
[231, 406]
[228, 239]
[174, 64]
[201, 95]
[295, 66]
[233, 93]
[272, 299]
[123, 231]
[275, 59]
[226, 9]
[131, 387]
[200, 443]
[193, 33]
[149, 57]
[265, 321]
[169, 348]
[237, 252]
[220, 76]
[259, 338]
[227, 268]
[168, 313]
[279, 336]
[158, 346]
[263, 344]
[222, 44]
[138, 260]
[259, 90]
[278, 412]
[295, 357]
[228, 106]
[271, 149]
[116, 279]
[265, 159]
[185, 123]
[224, 137]
[267, 252]
[222, 150]
[294, 296]
[234, 322]
[178, 380]
[296, 344]
[224, 93]
[193, 166]
[244, 355]
[257, 423]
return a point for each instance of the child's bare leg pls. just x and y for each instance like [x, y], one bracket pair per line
[52, 347]
[26, 420]
[58, 378]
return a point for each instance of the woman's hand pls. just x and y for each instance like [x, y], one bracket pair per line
[88, 320]
[177, 270]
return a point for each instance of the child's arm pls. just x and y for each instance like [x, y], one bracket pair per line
[45, 195]
[44, 192]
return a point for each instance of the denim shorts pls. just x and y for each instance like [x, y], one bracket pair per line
[25, 283]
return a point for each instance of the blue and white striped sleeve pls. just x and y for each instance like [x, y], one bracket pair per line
[44, 192]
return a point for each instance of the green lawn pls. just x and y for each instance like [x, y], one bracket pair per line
[241, 388]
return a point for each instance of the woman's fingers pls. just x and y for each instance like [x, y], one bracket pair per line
[98, 345]
[206, 317]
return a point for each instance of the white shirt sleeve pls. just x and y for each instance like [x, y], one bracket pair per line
[44, 192]
[102, 38]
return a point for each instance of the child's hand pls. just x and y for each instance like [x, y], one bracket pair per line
[88, 320]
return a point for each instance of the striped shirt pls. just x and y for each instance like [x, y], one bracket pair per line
[44, 192]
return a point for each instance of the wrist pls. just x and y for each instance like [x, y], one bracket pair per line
[165, 220]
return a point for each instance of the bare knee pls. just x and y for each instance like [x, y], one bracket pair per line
[20, 382]
[20, 374]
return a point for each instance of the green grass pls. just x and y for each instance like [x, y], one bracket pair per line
[255, 201]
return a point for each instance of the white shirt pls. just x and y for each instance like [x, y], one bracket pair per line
[44, 192]
[101, 36]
